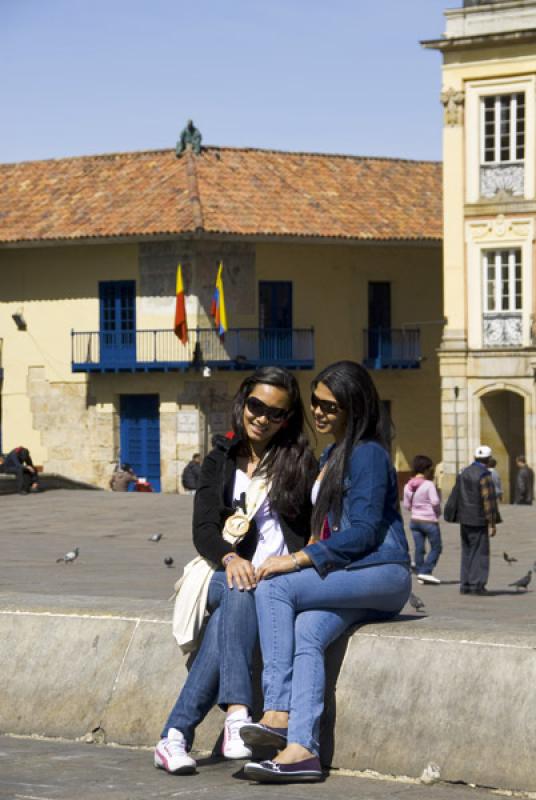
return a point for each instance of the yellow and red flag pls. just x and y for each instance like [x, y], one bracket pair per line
[181, 327]
[218, 310]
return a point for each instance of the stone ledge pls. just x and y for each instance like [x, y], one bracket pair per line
[408, 693]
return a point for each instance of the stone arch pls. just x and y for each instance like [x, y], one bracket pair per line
[502, 412]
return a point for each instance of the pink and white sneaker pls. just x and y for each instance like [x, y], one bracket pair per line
[233, 746]
[170, 754]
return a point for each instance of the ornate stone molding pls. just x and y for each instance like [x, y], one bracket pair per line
[499, 179]
[502, 330]
[492, 231]
[453, 102]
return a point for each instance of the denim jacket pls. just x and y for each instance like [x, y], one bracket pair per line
[371, 530]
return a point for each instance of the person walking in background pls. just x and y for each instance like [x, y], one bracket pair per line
[478, 515]
[422, 500]
[269, 443]
[524, 494]
[191, 474]
[492, 466]
[122, 477]
[19, 463]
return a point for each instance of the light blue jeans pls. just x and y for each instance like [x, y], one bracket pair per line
[299, 615]
[221, 671]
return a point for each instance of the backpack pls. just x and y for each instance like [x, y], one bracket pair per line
[450, 512]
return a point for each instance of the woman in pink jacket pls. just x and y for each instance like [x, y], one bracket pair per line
[421, 498]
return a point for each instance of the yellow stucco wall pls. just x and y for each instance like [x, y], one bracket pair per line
[331, 293]
[56, 288]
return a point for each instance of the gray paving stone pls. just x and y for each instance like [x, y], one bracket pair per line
[118, 566]
[51, 770]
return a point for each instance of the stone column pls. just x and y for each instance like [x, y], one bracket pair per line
[454, 415]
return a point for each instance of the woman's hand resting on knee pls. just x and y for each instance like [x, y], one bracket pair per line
[240, 574]
[277, 565]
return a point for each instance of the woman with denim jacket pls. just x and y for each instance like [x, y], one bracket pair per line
[355, 570]
[269, 442]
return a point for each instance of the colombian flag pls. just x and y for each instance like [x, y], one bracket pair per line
[218, 304]
[181, 328]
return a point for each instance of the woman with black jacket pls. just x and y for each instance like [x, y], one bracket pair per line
[269, 441]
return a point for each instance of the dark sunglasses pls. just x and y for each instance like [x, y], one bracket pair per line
[325, 406]
[260, 409]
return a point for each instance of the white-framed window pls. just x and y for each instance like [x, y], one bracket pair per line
[502, 128]
[500, 131]
[503, 290]
[499, 282]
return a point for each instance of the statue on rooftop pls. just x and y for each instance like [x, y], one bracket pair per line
[190, 137]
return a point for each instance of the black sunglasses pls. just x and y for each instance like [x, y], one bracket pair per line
[325, 406]
[260, 409]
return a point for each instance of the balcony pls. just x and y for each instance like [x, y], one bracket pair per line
[162, 351]
[389, 348]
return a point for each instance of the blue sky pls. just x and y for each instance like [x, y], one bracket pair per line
[100, 76]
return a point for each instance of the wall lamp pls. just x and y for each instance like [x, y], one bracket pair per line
[19, 320]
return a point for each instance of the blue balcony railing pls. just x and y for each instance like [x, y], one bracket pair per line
[162, 351]
[388, 348]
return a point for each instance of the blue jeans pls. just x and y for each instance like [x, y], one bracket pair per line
[299, 615]
[221, 671]
[421, 532]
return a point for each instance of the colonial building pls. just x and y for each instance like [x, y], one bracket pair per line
[325, 257]
[488, 351]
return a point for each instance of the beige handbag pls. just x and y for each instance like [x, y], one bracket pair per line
[191, 590]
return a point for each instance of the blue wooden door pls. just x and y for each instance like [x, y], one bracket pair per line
[275, 321]
[379, 327]
[140, 435]
[117, 323]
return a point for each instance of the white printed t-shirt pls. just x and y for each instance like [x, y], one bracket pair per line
[270, 539]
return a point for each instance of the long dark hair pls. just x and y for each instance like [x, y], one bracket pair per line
[356, 394]
[288, 461]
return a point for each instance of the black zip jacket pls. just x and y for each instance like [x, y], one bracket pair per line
[214, 503]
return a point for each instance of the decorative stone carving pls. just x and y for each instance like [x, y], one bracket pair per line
[493, 230]
[453, 101]
[500, 226]
[508, 179]
[502, 330]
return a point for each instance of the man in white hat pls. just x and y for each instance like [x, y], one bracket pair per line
[478, 514]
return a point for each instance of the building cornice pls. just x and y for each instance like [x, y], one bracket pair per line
[507, 208]
[435, 244]
[506, 38]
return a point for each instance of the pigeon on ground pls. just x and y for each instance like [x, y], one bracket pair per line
[509, 559]
[155, 537]
[168, 561]
[416, 603]
[523, 582]
[69, 557]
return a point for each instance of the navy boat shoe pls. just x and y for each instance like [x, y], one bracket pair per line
[305, 771]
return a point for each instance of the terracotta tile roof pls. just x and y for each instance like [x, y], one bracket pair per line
[241, 192]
